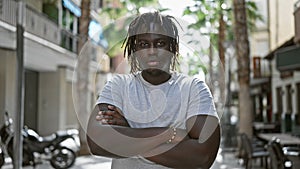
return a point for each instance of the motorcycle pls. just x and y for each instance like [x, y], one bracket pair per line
[2, 159]
[59, 148]
[6, 133]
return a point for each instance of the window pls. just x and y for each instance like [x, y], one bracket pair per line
[279, 102]
[289, 99]
[298, 104]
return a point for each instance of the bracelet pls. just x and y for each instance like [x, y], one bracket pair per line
[174, 135]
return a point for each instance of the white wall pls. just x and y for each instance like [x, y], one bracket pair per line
[8, 82]
[48, 120]
[281, 22]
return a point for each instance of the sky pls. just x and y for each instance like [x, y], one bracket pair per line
[177, 7]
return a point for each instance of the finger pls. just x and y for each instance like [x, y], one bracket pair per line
[112, 113]
[111, 107]
[99, 117]
[105, 117]
[116, 122]
[104, 121]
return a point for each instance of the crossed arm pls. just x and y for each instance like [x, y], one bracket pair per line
[109, 135]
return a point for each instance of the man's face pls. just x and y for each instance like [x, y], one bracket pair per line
[153, 52]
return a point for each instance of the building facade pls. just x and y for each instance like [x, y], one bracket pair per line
[50, 56]
[275, 63]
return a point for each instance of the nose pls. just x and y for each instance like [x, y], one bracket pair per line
[152, 49]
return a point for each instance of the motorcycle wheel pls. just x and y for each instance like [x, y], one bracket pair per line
[2, 159]
[62, 158]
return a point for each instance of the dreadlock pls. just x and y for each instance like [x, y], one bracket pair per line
[144, 21]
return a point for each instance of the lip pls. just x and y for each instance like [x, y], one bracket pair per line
[153, 63]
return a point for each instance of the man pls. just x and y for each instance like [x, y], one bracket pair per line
[154, 117]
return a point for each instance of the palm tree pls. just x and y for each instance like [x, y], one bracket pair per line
[83, 71]
[243, 58]
[211, 15]
[219, 15]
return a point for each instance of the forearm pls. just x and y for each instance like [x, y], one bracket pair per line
[116, 141]
[181, 155]
[187, 154]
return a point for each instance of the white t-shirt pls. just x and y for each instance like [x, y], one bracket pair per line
[145, 105]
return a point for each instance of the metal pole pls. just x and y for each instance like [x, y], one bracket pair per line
[19, 115]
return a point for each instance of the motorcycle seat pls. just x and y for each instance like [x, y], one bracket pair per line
[49, 138]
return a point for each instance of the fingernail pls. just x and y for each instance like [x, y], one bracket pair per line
[103, 121]
[100, 112]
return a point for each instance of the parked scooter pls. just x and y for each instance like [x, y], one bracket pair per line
[6, 133]
[2, 160]
[60, 148]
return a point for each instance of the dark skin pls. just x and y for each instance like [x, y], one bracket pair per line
[196, 155]
[194, 147]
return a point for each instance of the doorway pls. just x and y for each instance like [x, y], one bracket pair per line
[31, 99]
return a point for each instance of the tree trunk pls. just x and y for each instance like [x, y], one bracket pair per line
[221, 50]
[83, 73]
[211, 73]
[221, 39]
[243, 59]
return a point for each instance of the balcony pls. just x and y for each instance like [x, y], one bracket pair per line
[288, 59]
[297, 21]
[39, 25]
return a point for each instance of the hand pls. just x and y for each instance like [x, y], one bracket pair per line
[112, 116]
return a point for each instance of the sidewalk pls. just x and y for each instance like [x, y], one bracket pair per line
[223, 161]
[82, 162]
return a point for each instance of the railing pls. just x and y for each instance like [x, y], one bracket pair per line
[8, 11]
[39, 24]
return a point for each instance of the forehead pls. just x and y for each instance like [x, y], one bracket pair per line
[152, 36]
[153, 28]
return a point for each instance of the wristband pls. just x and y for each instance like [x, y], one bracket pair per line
[173, 136]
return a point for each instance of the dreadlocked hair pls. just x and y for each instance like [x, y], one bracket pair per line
[144, 21]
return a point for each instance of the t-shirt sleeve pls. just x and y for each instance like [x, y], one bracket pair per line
[112, 92]
[200, 100]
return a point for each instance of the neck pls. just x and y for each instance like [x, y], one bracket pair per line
[156, 77]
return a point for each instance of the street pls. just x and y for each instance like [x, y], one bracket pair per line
[223, 161]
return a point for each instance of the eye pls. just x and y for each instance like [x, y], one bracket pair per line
[160, 43]
[143, 44]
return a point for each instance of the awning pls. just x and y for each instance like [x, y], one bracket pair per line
[271, 55]
[72, 7]
[288, 59]
[95, 28]
[96, 34]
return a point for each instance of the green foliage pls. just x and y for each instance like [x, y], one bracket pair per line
[207, 13]
[116, 33]
[116, 36]
[114, 12]
[195, 63]
[126, 7]
[252, 15]
[51, 11]
[51, 2]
